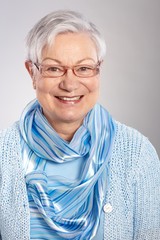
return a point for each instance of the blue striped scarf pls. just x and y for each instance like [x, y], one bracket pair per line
[73, 208]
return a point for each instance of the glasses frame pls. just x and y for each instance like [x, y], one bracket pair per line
[96, 69]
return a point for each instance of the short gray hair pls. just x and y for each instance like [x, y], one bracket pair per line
[45, 30]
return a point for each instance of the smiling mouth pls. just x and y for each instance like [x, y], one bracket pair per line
[69, 99]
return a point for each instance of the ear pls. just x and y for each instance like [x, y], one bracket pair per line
[29, 67]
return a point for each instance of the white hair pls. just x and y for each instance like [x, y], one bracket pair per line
[44, 31]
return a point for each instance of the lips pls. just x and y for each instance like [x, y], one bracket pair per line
[70, 98]
[65, 99]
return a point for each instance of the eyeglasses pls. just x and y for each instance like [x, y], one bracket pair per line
[54, 71]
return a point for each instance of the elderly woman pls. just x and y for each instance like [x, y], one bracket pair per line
[68, 170]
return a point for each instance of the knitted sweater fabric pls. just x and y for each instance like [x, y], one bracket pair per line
[133, 191]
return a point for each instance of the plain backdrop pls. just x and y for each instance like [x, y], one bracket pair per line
[130, 78]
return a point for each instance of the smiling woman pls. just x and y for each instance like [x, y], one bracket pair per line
[68, 170]
[65, 97]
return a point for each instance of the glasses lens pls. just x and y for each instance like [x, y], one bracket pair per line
[86, 71]
[52, 70]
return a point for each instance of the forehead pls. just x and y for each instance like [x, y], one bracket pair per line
[71, 46]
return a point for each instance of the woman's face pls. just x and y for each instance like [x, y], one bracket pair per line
[67, 99]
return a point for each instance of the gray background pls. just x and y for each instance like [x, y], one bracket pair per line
[130, 75]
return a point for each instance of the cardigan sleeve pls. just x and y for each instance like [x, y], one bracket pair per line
[147, 194]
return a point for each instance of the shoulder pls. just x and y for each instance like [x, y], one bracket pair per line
[6, 133]
[130, 140]
[132, 149]
[9, 141]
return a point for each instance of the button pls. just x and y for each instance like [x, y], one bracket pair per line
[107, 208]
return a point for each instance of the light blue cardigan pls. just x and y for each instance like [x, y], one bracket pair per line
[133, 193]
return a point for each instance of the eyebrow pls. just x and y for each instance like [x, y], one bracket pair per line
[78, 62]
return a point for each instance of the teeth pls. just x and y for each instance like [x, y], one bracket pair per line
[69, 98]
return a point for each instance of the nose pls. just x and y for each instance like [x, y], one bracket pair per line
[69, 81]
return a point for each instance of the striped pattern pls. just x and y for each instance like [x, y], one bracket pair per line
[70, 209]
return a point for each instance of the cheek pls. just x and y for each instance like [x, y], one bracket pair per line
[43, 85]
[93, 85]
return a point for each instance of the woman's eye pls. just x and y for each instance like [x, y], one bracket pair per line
[54, 69]
[84, 69]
